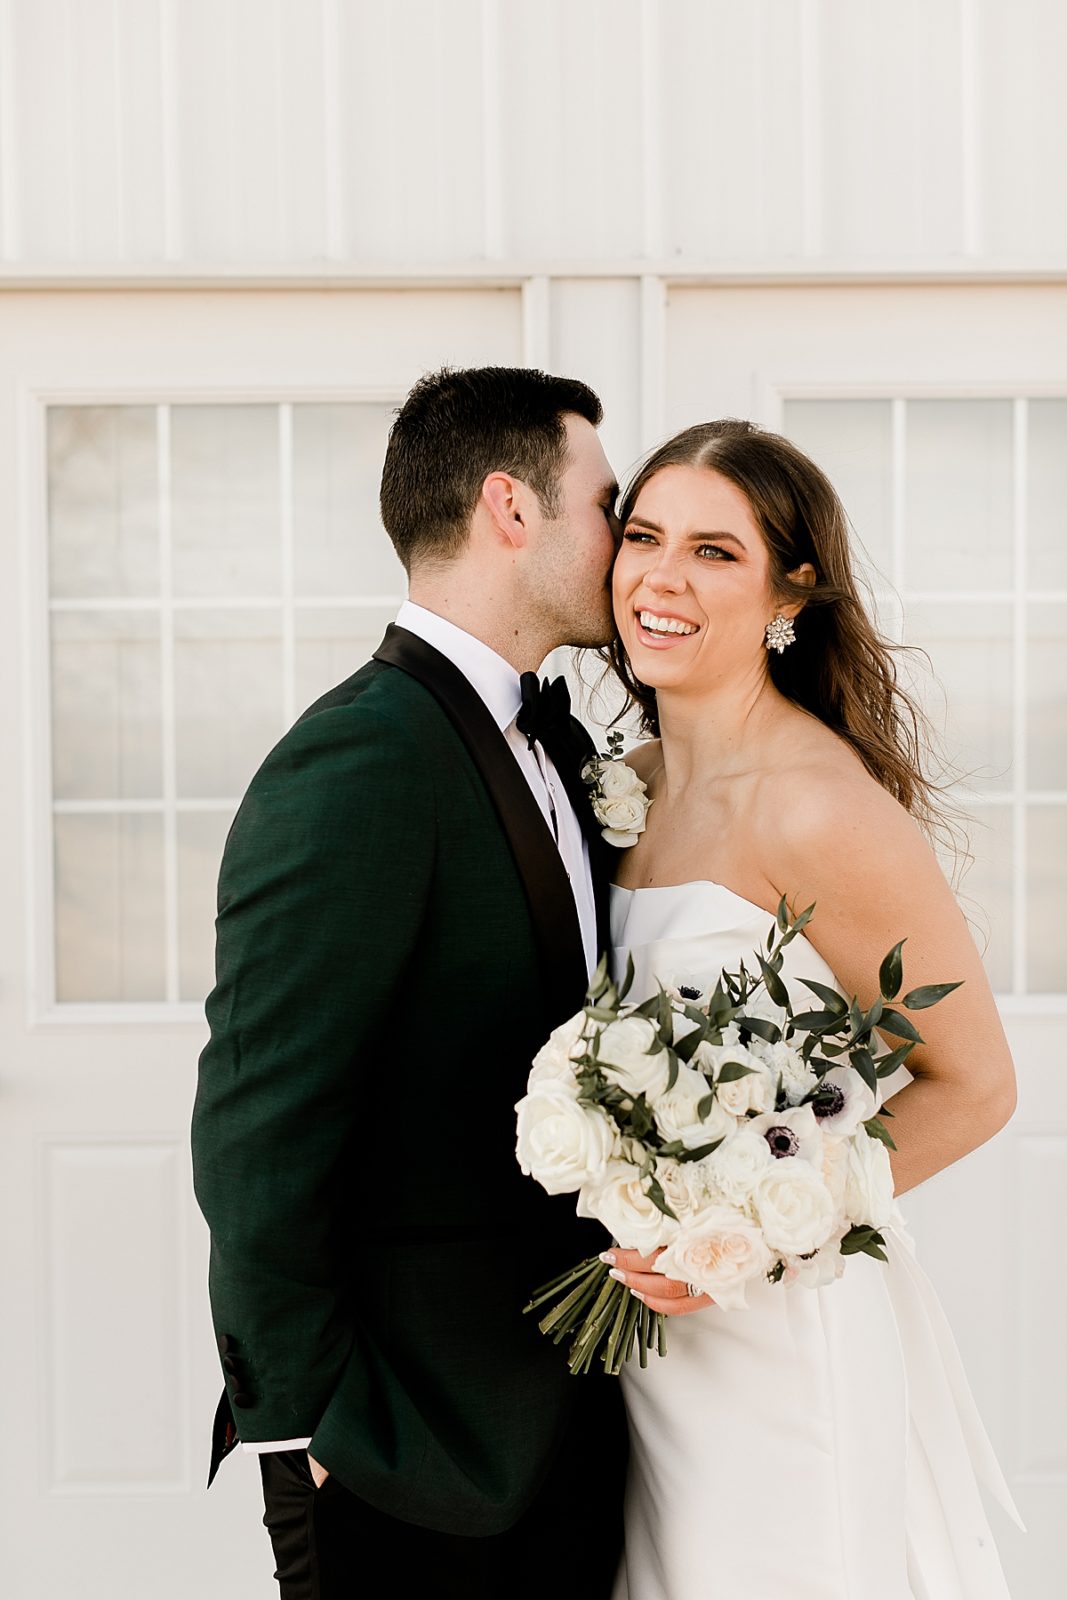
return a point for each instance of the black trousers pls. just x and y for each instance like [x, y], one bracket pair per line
[329, 1545]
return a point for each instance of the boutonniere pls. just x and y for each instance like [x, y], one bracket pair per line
[620, 801]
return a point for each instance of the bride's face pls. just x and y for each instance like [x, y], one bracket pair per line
[691, 583]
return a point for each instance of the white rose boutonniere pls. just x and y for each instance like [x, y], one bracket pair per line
[620, 801]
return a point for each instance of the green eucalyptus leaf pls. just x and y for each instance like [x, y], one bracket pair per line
[888, 1064]
[878, 1130]
[893, 1022]
[781, 916]
[864, 1064]
[700, 1151]
[775, 987]
[863, 1239]
[704, 1107]
[601, 1013]
[928, 994]
[731, 1071]
[891, 972]
[815, 1021]
[659, 1199]
[761, 1028]
[829, 997]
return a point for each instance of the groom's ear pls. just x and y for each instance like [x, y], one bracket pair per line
[507, 502]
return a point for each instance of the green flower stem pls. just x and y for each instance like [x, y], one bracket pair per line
[591, 1265]
[618, 1327]
[568, 1314]
[584, 1348]
[642, 1336]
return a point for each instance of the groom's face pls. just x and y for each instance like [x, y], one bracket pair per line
[576, 548]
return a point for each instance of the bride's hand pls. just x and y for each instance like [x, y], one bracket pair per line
[658, 1293]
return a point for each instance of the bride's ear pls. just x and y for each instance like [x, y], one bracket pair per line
[804, 574]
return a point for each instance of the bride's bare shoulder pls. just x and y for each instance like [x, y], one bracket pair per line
[645, 759]
[828, 815]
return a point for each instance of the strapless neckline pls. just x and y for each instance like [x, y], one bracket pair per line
[693, 883]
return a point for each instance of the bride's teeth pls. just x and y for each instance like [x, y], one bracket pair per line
[654, 624]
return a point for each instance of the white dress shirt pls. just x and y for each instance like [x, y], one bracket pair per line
[497, 684]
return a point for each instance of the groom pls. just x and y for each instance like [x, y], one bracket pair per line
[411, 898]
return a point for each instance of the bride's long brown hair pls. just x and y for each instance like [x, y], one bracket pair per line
[840, 669]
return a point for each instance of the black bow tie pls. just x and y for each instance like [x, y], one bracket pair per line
[545, 713]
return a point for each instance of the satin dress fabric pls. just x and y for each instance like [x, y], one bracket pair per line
[822, 1444]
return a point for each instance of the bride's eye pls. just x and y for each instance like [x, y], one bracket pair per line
[715, 552]
[636, 536]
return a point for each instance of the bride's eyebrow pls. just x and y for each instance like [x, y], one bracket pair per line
[698, 538]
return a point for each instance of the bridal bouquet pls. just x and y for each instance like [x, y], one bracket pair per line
[740, 1136]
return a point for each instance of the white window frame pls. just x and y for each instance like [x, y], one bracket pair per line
[774, 392]
[43, 1008]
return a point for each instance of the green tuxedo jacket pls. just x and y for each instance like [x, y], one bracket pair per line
[396, 937]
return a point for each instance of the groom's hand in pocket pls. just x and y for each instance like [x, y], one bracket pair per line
[319, 1473]
[658, 1292]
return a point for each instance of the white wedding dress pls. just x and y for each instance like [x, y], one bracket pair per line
[823, 1444]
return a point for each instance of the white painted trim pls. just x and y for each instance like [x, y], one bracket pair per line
[285, 530]
[120, 1013]
[9, 186]
[226, 603]
[110, 807]
[336, 233]
[971, 129]
[168, 716]
[811, 128]
[653, 368]
[919, 389]
[537, 323]
[177, 394]
[173, 230]
[510, 272]
[1019, 700]
[653, 232]
[493, 240]
[120, 128]
[39, 898]
[898, 514]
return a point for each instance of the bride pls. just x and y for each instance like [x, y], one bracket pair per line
[823, 1444]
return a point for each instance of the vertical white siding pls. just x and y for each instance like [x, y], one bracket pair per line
[296, 132]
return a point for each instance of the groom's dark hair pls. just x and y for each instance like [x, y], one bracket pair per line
[453, 430]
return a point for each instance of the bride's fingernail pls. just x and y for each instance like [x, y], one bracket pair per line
[620, 1277]
[608, 1256]
[638, 1295]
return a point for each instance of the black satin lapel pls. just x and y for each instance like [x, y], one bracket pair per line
[544, 877]
[602, 856]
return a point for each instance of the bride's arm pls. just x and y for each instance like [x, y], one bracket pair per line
[849, 847]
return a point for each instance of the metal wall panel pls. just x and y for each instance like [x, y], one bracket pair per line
[231, 133]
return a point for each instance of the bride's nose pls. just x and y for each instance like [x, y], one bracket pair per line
[665, 575]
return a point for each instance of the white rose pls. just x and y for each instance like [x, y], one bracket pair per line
[619, 1199]
[720, 1253]
[739, 1164]
[761, 1005]
[869, 1186]
[752, 1092]
[844, 1102]
[781, 1060]
[677, 1190]
[557, 1055]
[792, 1132]
[624, 1056]
[701, 1185]
[795, 1208]
[618, 778]
[561, 1143]
[818, 1268]
[677, 1116]
[835, 1170]
[623, 818]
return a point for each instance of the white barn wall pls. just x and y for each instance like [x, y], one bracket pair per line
[304, 135]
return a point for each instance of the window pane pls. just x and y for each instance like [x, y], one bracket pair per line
[109, 907]
[1047, 494]
[201, 836]
[852, 441]
[339, 544]
[1046, 839]
[1047, 695]
[106, 705]
[224, 498]
[986, 891]
[227, 696]
[970, 701]
[332, 644]
[958, 501]
[103, 499]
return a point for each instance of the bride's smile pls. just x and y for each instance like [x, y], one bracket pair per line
[692, 581]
